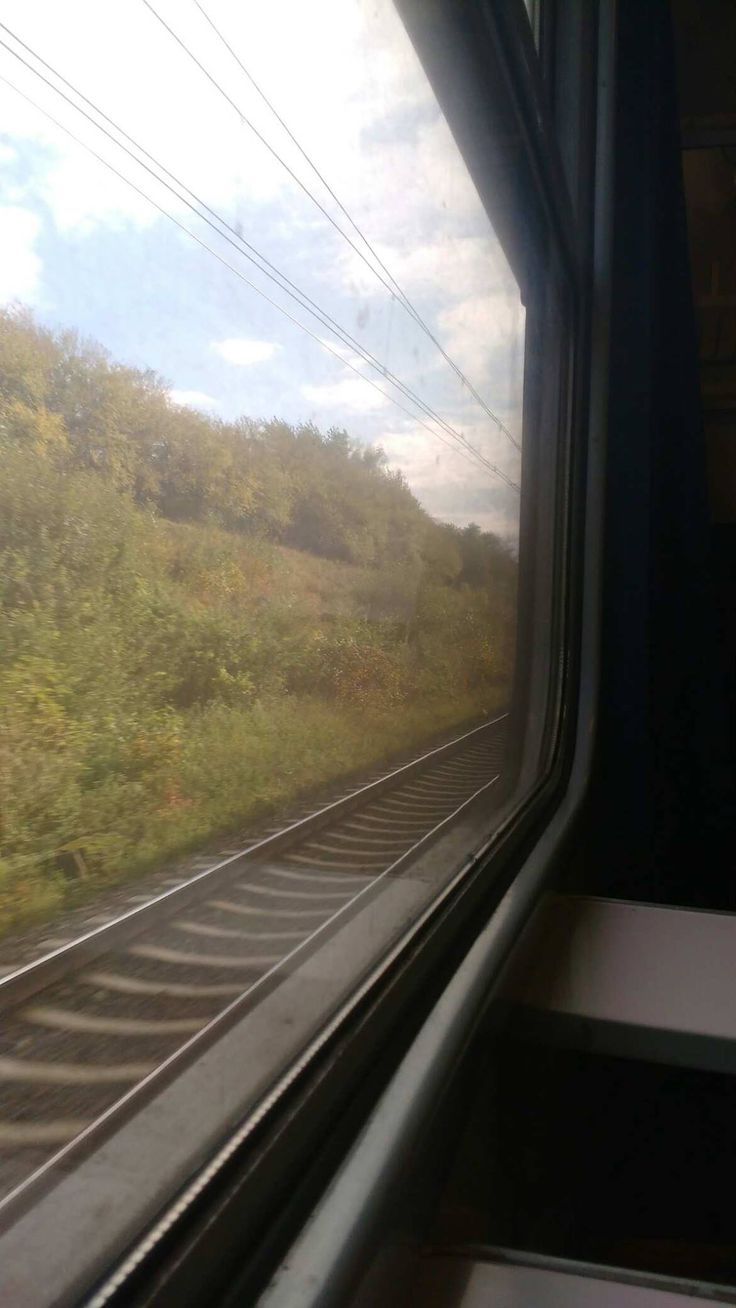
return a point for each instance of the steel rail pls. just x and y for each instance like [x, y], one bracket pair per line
[27, 980]
[99, 1039]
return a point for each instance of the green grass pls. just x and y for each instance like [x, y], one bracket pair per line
[237, 766]
[202, 620]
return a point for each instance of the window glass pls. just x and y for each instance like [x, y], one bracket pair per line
[261, 370]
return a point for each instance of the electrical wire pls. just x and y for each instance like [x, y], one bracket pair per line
[394, 290]
[277, 277]
[203, 244]
[396, 287]
[255, 257]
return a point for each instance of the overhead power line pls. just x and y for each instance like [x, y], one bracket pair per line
[381, 273]
[203, 244]
[275, 275]
[395, 287]
[250, 252]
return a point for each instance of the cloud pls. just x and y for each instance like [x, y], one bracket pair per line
[20, 265]
[193, 130]
[193, 399]
[466, 295]
[481, 325]
[349, 84]
[448, 485]
[427, 461]
[343, 351]
[352, 393]
[245, 353]
[458, 264]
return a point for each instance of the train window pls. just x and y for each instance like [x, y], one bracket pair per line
[283, 425]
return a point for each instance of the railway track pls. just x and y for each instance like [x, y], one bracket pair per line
[89, 1021]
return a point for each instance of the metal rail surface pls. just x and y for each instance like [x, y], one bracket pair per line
[88, 1022]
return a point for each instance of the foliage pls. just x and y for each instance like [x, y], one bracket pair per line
[202, 619]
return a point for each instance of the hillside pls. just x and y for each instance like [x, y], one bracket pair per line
[201, 619]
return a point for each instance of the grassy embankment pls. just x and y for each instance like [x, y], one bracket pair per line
[176, 777]
[177, 656]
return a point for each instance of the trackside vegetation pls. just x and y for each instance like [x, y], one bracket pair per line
[201, 619]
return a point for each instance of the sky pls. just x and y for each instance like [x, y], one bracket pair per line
[124, 261]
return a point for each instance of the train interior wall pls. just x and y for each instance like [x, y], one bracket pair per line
[555, 1147]
[660, 817]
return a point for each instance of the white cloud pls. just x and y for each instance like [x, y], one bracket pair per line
[427, 461]
[193, 399]
[449, 485]
[245, 353]
[20, 265]
[196, 133]
[343, 351]
[479, 326]
[458, 264]
[351, 394]
[349, 84]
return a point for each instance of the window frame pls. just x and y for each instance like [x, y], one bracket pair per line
[278, 1160]
[325, 1262]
